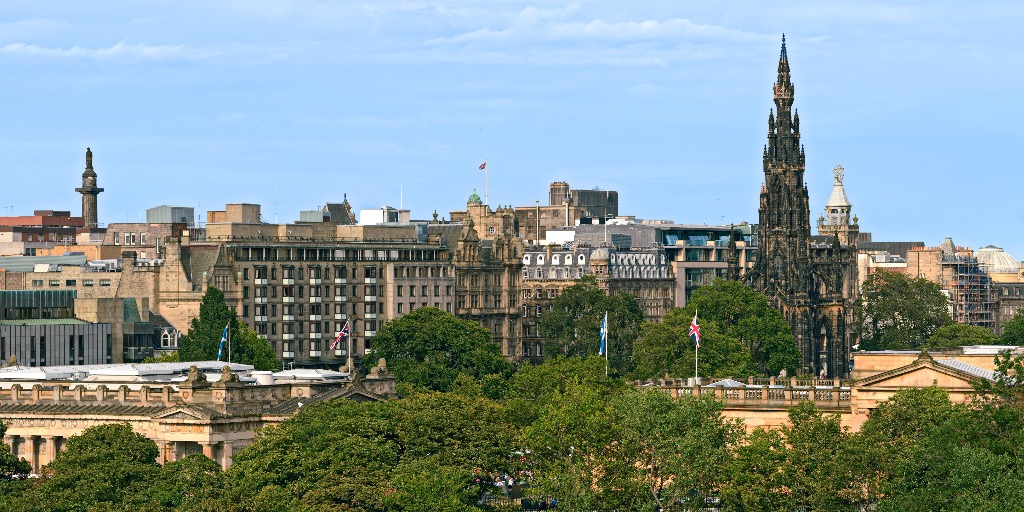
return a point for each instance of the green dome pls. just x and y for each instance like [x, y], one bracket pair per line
[474, 198]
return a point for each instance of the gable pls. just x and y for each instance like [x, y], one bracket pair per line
[182, 413]
[919, 376]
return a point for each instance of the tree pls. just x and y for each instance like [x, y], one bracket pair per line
[742, 335]
[674, 449]
[959, 335]
[248, 347]
[926, 453]
[572, 327]
[1013, 331]
[429, 348]
[897, 311]
[202, 343]
[743, 314]
[192, 483]
[105, 465]
[375, 456]
[533, 387]
[203, 339]
[666, 349]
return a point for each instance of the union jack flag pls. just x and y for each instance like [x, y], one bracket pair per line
[341, 335]
[483, 165]
[695, 330]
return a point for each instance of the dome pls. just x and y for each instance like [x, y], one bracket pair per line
[995, 260]
[600, 254]
[474, 198]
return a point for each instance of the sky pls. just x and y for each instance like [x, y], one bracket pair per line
[294, 103]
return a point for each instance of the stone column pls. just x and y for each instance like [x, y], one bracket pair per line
[207, 449]
[163, 452]
[228, 452]
[49, 450]
[30, 453]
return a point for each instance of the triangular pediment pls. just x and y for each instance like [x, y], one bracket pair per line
[921, 373]
[183, 413]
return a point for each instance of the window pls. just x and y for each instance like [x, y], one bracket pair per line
[400, 290]
[400, 308]
[437, 290]
[117, 238]
[54, 282]
[104, 282]
[70, 282]
[423, 291]
[412, 291]
[245, 292]
[86, 282]
[142, 238]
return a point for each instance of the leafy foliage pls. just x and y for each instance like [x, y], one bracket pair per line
[203, 339]
[429, 348]
[345, 455]
[107, 464]
[533, 387]
[1013, 331]
[899, 312]
[573, 326]
[742, 335]
[958, 335]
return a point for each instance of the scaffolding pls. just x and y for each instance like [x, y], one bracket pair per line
[972, 295]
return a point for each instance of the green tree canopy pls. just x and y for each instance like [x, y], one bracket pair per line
[631, 450]
[667, 349]
[533, 386]
[959, 335]
[106, 464]
[899, 312]
[741, 313]
[202, 342]
[429, 348]
[742, 335]
[1013, 331]
[416, 453]
[925, 453]
[573, 326]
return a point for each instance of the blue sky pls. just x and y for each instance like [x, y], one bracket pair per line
[291, 104]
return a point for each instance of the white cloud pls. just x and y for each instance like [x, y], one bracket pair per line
[118, 50]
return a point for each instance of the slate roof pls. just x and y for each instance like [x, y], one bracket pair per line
[977, 371]
[65, 409]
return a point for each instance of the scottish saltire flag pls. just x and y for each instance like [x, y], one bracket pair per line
[604, 335]
[341, 335]
[695, 330]
[223, 338]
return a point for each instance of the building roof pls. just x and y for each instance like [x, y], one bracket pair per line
[44, 321]
[28, 263]
[838, 198]
[968, 368]
[996, 261]
[135, 372]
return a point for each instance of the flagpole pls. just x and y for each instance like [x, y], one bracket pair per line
[606, 344]
[487, 171]
[229, 342]
[348, 360]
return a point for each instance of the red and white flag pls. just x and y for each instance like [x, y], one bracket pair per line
[483, 165]
[341, 335]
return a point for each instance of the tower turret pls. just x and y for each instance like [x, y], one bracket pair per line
[89, 191]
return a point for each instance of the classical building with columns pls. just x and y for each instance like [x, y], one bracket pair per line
[203, 407]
